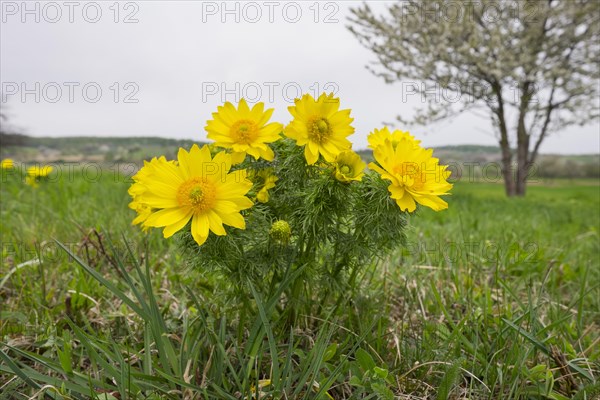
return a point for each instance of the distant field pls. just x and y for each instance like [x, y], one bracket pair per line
[509, 286]
[472, 162]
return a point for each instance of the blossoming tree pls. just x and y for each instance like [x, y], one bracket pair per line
[531, 64]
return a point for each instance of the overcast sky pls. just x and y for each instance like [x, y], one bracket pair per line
[161, 68]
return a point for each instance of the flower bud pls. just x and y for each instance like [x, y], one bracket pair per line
[281, 232]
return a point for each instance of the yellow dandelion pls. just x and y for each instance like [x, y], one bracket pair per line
[200, 188]
[349, 167]
[244, 130]
[7, 163]
[415, 176]
[320, 127]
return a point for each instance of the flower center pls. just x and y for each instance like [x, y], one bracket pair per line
[244, 131]
[318, 129]
[345, 169]
[197, 194]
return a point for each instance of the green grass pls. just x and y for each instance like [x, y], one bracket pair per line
[494, 298]
[512, 280]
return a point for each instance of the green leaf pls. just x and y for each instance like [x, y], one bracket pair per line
[270, 337]
[380, 372]
[330, 352]
[365, 360]
[590, 392]
[541, 346]
[449, 380]
[18, 371]
[355, 381]
[383, 391]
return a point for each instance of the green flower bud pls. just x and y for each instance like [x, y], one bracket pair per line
[280, 231]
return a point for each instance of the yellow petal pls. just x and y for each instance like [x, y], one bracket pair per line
[215, 223]
[156, 201]
[233, 219]
[237, 157]
[311, 157]
[169, 230]
[406, 203]
[167, 216]
[200, 228]
[225, 206]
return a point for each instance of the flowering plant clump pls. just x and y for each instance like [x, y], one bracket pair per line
[31, 176]
[35, 174]
[7, 163]
[303, 215]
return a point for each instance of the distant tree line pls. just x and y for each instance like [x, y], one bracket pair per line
[137, 148]
[555, 166]
[14, 139]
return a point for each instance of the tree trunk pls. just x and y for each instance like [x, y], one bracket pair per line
[522, 162]
[507, 157]
[509, 179]
[523, 166]
[523, 141]
[522, 172]
[507, 173]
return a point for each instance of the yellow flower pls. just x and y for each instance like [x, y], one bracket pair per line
[143, 212]
[31, 181]
[320, 126]
[244, 131]
[35, 173]
[415, 176]
[383, 137]
[349, 167]
[7, 163]
[39, 172]
[262, 383]
[138, 187]
[268, 178]
[199, 188]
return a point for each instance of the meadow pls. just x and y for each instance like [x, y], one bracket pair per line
[494, 298]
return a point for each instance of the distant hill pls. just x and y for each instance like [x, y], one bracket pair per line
[459, 153]
[470, 148]
[483, 159]
[478, 161]
[83, 148]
